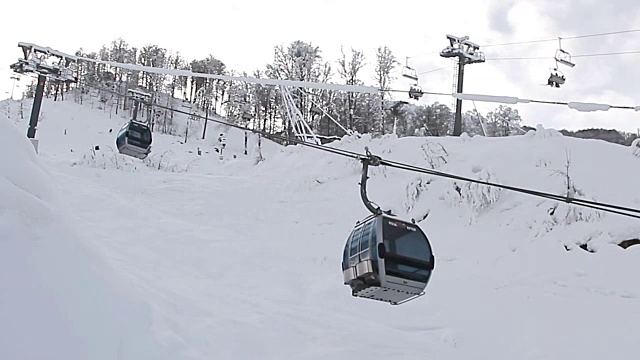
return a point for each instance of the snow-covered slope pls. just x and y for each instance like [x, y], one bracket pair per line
[57, 299]
[240, 258]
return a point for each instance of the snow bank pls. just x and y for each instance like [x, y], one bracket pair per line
[541, 133]
[635, 147]
[241, 261]
[56, 300]
[588, 107]
[490, 98]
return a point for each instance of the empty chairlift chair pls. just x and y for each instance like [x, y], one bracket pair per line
[386, 258]
[134, 139]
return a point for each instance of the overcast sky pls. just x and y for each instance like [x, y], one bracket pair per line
[243, 33]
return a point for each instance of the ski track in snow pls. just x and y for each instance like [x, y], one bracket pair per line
[242, 261]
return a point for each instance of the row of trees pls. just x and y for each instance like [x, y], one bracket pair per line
[365, 113]
[260, 106]
[610, 135]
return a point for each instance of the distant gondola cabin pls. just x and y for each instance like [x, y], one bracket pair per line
[134, 139]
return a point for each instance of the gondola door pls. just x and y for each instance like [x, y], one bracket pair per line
[407, 257]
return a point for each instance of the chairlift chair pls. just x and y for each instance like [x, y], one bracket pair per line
[385, 258]
[409, 72]
[134, 139]
[563, 57]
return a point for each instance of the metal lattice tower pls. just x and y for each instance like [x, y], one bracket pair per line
[300, 127]
[465, 52]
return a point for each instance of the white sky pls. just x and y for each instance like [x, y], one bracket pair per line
[243, 33]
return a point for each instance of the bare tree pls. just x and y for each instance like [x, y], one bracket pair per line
[385, 63]
[348, 70]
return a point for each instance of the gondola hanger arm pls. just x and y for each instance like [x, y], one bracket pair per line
[368, 160]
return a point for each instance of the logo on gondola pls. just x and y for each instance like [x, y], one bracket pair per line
[401, 225]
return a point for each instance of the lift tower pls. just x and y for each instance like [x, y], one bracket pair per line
[35, 61]
[465, 52]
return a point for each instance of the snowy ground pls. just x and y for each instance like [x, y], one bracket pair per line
[239, 259]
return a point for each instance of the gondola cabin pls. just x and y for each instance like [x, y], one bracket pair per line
[134, 139]
[387, 259]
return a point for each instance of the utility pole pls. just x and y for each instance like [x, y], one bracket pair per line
[246, 118]
[206, 117]
[465, 52]
[15, 78]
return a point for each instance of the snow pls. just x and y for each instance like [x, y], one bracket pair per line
[239, 258]
[57, 299]
[541, 133]
[635, 147]
[588, 107]
[580, 106]
[490, 98]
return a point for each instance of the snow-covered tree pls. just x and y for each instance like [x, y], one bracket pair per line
[300, 61]
[503, 121]
[238, 102]
[213, 87]
[439, 119]
[348, 70]
[385, 63]
[473, 123]
[177, 62]
[153, 56]
[265, 103]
